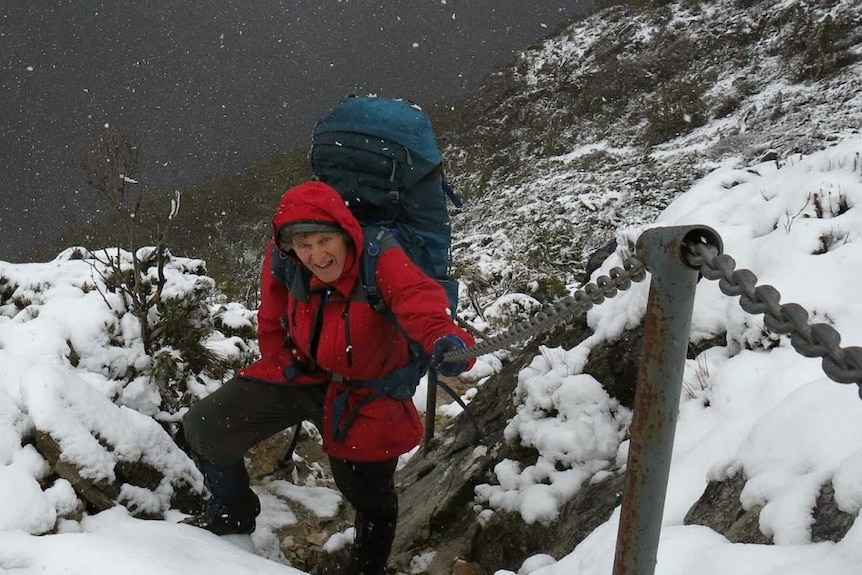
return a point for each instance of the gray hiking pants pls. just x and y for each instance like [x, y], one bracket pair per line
[220, 428]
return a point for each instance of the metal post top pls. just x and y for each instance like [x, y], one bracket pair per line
[669, 243]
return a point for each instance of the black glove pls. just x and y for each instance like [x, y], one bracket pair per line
[442, 346]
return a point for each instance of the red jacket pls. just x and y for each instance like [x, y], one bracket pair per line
[355, 342]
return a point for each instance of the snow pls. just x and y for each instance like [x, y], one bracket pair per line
[755, 407]
[112, 541]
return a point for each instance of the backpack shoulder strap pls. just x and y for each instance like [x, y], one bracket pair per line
[377, 240]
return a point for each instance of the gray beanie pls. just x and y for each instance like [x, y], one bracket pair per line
[286, 231]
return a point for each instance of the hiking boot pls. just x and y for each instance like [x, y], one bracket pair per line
[226, 519]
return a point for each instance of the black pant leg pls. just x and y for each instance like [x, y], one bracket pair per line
[221, 427]
[370, 488]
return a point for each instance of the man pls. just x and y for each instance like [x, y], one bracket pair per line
[327, 356]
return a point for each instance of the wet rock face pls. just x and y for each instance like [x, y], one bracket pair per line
[436, 487]
[437, 496]
[616, 366]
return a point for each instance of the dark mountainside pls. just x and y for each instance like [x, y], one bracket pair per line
[212, 86]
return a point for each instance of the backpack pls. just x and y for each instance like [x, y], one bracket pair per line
[382, 157]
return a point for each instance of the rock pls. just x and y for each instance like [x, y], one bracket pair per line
[436, 488]
[99, 495]
[465, 568]
[830, 523]
[505, 541]
[719, 508]
[334, 563]
[616, 365]
[596, 259]
[448, 558]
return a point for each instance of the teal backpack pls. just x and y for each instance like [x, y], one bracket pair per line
[382, 157]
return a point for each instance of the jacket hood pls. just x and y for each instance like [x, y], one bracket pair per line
[316, 202]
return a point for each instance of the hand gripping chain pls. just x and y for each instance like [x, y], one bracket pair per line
[843, 365]
[619, 279]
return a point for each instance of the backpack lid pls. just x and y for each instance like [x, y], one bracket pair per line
[387, 118]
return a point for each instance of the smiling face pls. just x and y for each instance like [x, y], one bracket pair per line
[324, 253]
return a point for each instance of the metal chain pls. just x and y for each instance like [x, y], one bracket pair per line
[843, 365]
[840, 364]
[605, 287]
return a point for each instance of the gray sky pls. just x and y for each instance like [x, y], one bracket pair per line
[213, 85]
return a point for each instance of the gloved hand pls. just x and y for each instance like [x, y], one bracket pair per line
[442, 346]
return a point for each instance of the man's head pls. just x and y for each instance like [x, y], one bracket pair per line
[314, 207]
[322, 247]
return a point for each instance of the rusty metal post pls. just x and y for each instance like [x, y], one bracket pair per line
[666, 330]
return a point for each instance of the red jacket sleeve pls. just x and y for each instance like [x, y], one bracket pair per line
[419, 303]
[271, 332]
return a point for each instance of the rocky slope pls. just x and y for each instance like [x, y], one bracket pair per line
[601, 126]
